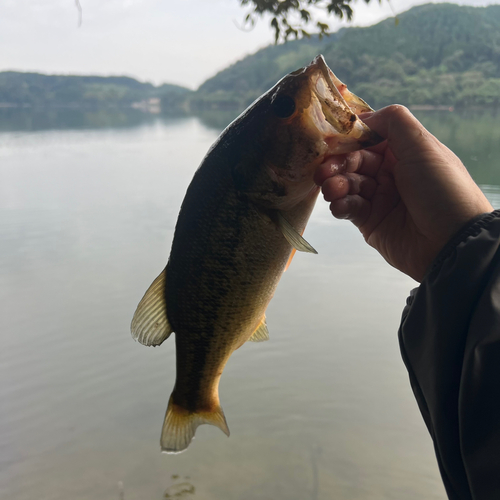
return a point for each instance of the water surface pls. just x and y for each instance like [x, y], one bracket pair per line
[322, 411]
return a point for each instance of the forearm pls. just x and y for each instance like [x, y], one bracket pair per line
[450, 342]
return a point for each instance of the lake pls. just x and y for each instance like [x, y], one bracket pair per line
[324, 410]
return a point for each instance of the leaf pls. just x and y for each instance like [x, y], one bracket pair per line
[282, 11]
[305, 15]
[275, 25]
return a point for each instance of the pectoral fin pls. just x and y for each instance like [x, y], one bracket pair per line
[292, 236]
[150, 325]
[261, 334]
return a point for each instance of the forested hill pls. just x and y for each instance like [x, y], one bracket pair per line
[34, 89]
[439, 54]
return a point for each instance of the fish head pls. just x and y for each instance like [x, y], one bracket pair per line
[308, 115]
[313, 115]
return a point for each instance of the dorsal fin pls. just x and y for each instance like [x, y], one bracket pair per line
[150, 325]
[261, 333]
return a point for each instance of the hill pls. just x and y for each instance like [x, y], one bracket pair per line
[240, 84]
[38, 90]
[438, 54]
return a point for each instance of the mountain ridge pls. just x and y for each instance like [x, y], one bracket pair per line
[437, 54]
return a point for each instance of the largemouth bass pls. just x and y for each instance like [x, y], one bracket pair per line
[240, 222]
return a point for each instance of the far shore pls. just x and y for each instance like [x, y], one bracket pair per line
[431, 107]
[153, 106]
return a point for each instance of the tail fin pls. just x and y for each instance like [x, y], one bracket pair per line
[180, 426]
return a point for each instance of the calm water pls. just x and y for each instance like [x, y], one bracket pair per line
[322, 411]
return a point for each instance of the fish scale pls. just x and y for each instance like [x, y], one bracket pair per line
[244, 212]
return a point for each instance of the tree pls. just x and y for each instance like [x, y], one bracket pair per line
[284, 12]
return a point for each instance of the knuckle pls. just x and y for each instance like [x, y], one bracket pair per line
[398, 112]
[353, 161]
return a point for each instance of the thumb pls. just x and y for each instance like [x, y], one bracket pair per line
[401, 129]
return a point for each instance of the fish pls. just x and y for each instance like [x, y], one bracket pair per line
[241, 221]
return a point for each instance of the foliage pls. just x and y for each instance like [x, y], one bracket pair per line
[442, 54]
[36, 90]
[259, 72]
[290, 17]
[173, 97]
[439, 55]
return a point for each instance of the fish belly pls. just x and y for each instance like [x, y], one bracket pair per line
[217, 293]
[227, 258]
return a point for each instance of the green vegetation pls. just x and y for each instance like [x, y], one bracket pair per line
[291, 18]
[438, 55]
[36, 90]
[240, 84]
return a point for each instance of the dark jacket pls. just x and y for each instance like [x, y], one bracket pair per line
[450, 342]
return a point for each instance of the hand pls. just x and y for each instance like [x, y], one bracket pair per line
[408, 196]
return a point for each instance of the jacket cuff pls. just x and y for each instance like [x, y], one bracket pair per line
[470, 229]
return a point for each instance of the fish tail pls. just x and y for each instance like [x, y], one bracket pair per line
[180, 426]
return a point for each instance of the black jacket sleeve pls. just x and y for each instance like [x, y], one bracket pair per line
[450, 342]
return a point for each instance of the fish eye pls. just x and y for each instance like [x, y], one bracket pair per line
[283, 106]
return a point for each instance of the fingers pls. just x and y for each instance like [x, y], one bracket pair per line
[348, 182]
[353, 208]
[363, 162]
[341, 185]
[350, 195]
[332, 166]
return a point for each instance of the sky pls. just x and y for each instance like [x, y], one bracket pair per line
[159, 41]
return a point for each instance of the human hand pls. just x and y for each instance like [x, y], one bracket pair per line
[408, 195]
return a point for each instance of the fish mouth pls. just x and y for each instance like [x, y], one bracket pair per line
[335, 111]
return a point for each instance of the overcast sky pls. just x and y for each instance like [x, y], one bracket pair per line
[174, 41]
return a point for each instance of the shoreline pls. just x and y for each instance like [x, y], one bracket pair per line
[430, 107]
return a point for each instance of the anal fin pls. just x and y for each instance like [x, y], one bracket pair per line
[150, 325]
[261, 333]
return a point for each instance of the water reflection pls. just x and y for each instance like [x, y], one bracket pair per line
[27, 119]
[217, 120]
[181, 488]
[473, 135]
[492, 193]
[323, 410]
